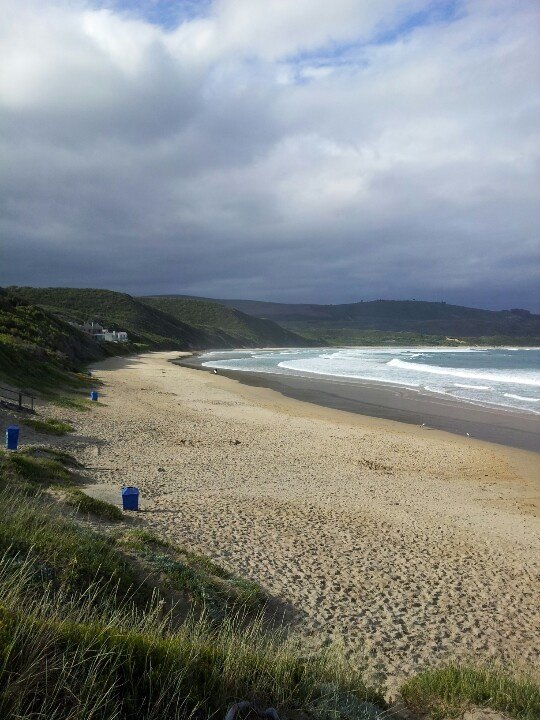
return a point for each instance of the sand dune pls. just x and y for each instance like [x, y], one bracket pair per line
[412, 545]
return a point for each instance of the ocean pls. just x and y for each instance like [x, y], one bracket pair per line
[507, 377]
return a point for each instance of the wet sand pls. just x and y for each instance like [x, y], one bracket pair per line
[492, 424]
[409, 545]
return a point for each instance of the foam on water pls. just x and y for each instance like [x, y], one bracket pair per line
[517, 378]
[493, 376]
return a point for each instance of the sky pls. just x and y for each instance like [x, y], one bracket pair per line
[286, 150]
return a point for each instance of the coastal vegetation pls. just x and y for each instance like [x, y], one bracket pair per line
[49, 426]
[451, 690]
[40, 351]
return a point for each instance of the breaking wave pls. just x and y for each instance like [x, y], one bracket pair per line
[492, 376]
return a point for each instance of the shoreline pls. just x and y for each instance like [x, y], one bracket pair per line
[510, 428]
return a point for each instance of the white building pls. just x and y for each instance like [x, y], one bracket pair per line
[98, 332]
[112, 336]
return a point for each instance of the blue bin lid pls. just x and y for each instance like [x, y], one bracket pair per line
[130, 491]
[13, 427]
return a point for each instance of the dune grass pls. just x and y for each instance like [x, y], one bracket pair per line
[49, 426]
[208, 585]
[99, 508]
[89, 627]
[83, 636]
[448, 691]
[73, 402]
[72, 554]
[37, 467]
[38, 470]
[115, 662]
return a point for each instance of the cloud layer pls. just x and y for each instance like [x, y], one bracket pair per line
[305, 151]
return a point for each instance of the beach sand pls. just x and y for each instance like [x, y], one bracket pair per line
[409, 545]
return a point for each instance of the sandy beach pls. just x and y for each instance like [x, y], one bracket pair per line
[406, 544]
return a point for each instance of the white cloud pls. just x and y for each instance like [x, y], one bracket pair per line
[278, 141]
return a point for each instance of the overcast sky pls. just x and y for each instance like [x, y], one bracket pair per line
[294, 150]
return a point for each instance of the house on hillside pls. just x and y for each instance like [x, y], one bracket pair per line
[98, 332]
[90, 328]
[112, 336]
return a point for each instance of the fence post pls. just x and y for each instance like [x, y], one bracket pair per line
[20, 401]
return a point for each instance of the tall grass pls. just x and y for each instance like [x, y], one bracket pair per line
[447, 691]
[79, 657]
[86, 504]
[84, 636]
[49, 426]
[72, 555]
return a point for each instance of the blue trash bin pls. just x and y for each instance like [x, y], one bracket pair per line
[12, 437]
[130, 498]
[94, 395]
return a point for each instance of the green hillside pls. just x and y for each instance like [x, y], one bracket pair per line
[357, 322]
[116, 311]
[37, 349]
[236, 328]
[163, 322]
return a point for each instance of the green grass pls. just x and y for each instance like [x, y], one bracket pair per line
[75, 556]
[84, 635]
[448, 691]
[86, 504]
[73, 402]
[74, 657]
[49, 426]
[207, 585]
[38, 470]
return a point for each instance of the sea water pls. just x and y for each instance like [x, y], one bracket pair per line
[507, 376]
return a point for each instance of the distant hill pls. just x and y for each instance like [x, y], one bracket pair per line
[236, 328]
[353, 322]
[160, 323]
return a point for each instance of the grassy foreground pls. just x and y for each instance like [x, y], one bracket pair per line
[106, 621]
[90, 624]
[449, 691]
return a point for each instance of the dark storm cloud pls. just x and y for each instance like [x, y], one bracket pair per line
[273, 150]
